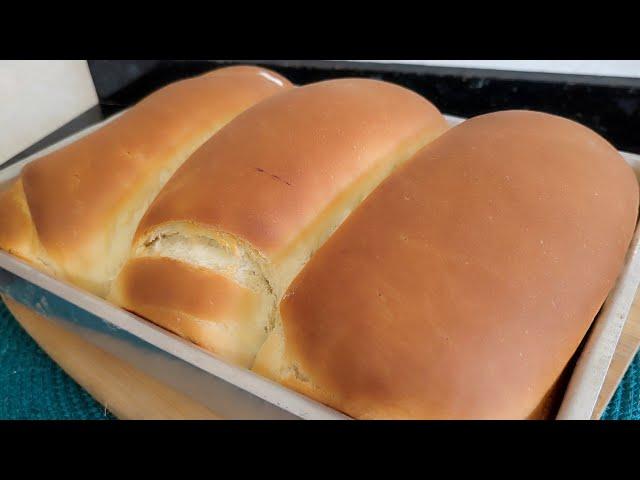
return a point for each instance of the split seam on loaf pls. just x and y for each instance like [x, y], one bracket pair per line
[73, 211]
[256, 201]
[535, 214]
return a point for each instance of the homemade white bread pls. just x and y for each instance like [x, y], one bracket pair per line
[73, 212]
[461, 287]
[235, 224]
[307, 238]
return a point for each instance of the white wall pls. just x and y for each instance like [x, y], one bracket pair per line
[39, 96]
[614, 68]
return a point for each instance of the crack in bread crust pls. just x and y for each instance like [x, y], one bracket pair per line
[256, 202]
[216, 251]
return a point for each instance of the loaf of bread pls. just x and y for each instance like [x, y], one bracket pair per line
[339, 239]
[461, 287]
[224, 238]
[73, 212]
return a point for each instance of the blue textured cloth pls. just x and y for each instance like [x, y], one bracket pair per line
[625, 403]
[32, 386]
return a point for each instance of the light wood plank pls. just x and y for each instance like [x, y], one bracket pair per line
[625, 352]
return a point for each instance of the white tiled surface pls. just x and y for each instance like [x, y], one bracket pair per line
[614, 68]
[39, 96]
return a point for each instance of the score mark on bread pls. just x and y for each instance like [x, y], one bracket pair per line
[255, 202]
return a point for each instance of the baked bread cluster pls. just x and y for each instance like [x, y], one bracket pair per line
[340, 238]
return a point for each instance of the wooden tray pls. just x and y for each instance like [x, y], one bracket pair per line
[625, 352]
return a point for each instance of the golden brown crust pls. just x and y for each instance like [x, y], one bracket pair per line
[255, 201]
[86, 198]
[16, 231]
[462, 286]
[272, 172]
[17, 235]
[194, 303]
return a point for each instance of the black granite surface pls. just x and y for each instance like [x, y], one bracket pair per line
[609, 105]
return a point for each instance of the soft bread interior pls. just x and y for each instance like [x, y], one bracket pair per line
[208, 249]
[17, 233]
[178, 296]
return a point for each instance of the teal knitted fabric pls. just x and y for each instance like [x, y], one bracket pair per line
[32, 386]
[625, 403]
